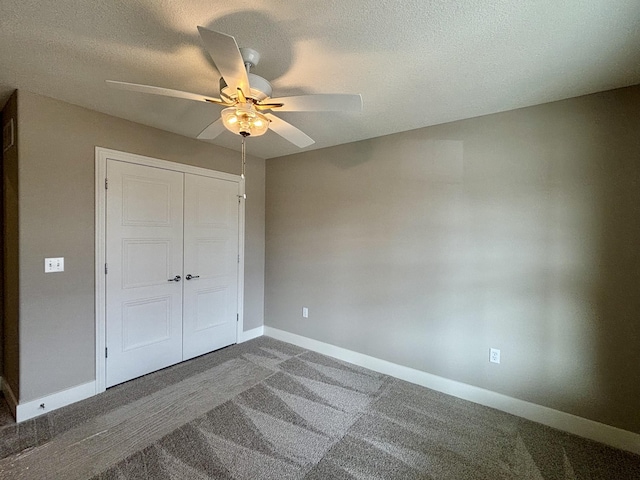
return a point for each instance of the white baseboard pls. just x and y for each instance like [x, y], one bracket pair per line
[567, 422]
[25, 411]
[251, 334]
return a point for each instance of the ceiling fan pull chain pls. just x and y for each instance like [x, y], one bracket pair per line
[244, 163]
[244, 157]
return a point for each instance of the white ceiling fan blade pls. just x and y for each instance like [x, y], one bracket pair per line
[165, 92]
[225, 53]
[212, 130]
[289, 132]
[320, 103]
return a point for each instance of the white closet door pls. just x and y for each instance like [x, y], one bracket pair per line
[211, 258]
[144, 250]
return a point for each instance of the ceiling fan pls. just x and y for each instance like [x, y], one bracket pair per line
[247, 97]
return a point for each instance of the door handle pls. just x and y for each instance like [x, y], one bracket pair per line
[189, 276]
[175, 279]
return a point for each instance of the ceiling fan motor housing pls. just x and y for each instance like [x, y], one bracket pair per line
[260, 89]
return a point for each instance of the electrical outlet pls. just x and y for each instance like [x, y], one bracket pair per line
[494, 355]
[305, 312]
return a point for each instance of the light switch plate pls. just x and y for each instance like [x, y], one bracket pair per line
[53, 265]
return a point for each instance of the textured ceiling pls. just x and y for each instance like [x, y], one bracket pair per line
[416, 62]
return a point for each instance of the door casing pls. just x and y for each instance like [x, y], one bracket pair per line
[101, 157]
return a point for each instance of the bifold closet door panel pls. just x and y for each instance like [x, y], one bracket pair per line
[211, 225]
[144, 252]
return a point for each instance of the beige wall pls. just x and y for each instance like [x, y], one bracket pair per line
[10, 273]
[57, 142]
[519, 231]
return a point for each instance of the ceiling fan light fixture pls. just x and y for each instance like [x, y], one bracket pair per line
[245, 121]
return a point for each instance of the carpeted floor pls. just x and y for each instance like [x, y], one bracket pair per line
[269, 410]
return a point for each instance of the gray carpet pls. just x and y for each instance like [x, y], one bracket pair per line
[300, 415]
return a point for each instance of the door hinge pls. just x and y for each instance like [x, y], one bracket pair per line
[237, 317]
[106, 183]
[238, 258]
[106, 355]
[106, 269]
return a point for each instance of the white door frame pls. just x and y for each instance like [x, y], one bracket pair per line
[101, 157]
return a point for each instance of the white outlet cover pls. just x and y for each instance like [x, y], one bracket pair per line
[305, 312]
[494, 355]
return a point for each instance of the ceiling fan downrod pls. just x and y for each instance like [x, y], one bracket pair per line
[250, 57]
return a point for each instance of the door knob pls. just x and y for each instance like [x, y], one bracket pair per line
[175, 279]
[189, 276]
